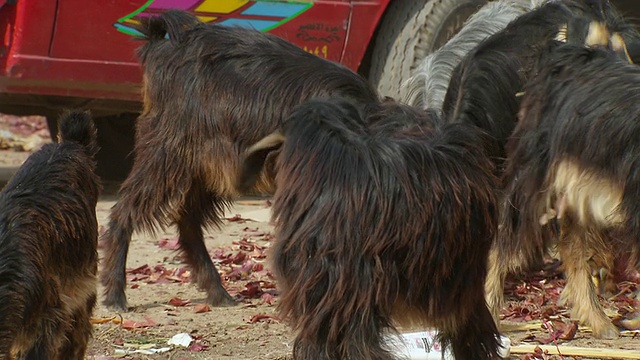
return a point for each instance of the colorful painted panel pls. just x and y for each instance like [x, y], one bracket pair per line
[259, 15]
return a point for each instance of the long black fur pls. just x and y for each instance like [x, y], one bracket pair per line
[484, 86]
[48, 247]
[485, 91]
[583, 108]
[384, 217]
[210, 91]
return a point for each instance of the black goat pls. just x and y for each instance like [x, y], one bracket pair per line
[575, 158]
[48, 247]
[384, 219]
[485, 90]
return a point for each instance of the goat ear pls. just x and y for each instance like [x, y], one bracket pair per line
[254, 158]
[620, 47]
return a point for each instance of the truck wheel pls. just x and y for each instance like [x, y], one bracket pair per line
[409, 31]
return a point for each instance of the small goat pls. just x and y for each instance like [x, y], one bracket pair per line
[210, 91]
[575, 158]
[48, 247]
[384, 219]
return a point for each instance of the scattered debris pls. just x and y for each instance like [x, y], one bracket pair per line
[198, 346]
[158, 274]
[148, 349]
[259, 318]
[201, 308]
[106, 320]
[176, 301]
[574, 351]
[181, 339]
[132, 325]
[237, 218]
[170, 244]
[23, 133]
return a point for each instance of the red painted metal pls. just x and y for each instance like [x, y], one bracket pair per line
[84, 31]
[321, 30]
[365, 17]
[71, 47]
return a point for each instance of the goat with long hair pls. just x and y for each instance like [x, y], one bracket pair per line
[484, 86]
[384, 219]
[210, 91]
[48, 247]
[575, 158]
[485, 91]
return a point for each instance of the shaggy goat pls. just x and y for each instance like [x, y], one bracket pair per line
[48, 247]
[483, 87]
[210, 91]
[575, 158]
[384, 219]
[426, 88]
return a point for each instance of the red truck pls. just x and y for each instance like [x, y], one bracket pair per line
[68, 53]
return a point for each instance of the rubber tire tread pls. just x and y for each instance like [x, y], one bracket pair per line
[397, 49]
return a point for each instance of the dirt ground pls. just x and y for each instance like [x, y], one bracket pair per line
[247, 331]
[165, 304]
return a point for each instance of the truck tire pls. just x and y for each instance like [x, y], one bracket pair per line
[409, 31]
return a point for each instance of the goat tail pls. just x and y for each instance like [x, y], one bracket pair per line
[78, 126]
[172, 24]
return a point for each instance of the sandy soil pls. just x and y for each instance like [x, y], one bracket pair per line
[165, 303]
[241, 332]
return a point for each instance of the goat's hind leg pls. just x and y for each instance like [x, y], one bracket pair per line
[500, 264]
[116, 241]
[580, 291]
[156, 183]
[494, 284]
[475, 337]
[202, 206]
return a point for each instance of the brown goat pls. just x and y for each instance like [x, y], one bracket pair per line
[384, 219]
[209, 92]
[574, 158]
[48, 247]
[484, 89]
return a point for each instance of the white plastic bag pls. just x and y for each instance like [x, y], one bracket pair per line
[422, 346]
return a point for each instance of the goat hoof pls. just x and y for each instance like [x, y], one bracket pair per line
[116, 305]
[562, 301]
[609, 332]
[221, 299]
[116, 308]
